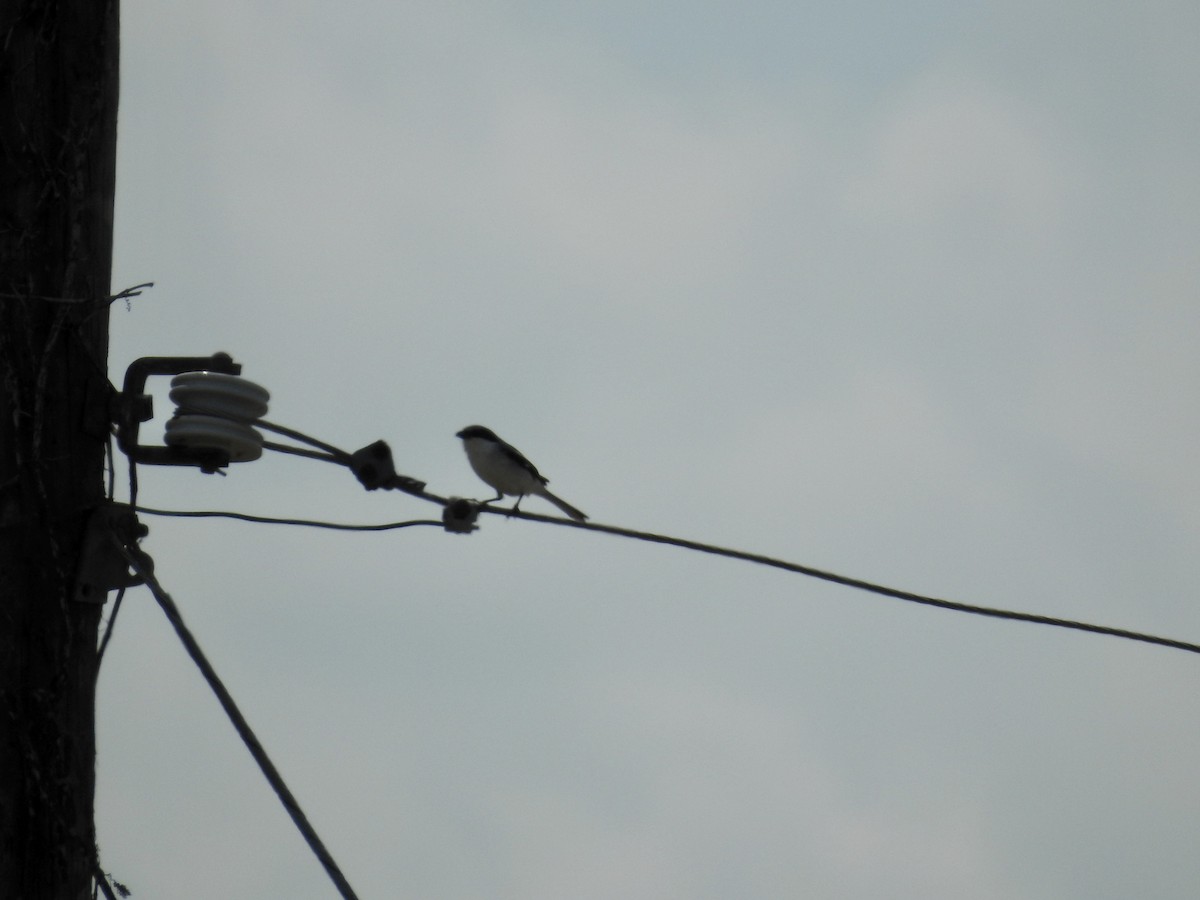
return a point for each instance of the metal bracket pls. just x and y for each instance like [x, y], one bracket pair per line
[102, 567]
[133, 406]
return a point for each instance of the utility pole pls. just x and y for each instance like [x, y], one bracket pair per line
[58, 115]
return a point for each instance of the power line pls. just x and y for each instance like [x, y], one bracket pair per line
[274, 520]
[713, 549]
[330, 453]
[139, 562]
[334, 454]
[858, 583]
[459, 516]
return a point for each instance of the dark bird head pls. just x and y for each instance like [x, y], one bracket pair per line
[477, 431]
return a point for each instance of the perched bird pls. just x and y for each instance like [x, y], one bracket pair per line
[502, 467]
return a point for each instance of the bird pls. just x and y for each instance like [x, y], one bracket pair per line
[502, 466]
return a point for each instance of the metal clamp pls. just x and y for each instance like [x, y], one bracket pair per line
[102, 567]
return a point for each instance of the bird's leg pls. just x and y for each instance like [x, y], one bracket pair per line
[517, 505]
[499, 496]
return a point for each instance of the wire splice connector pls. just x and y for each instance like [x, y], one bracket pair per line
[459, 515]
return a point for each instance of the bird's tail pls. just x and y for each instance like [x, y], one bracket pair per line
[564, 506]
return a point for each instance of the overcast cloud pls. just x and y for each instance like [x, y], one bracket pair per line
[903, 292]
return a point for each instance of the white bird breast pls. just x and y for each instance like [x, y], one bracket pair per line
[496, 468]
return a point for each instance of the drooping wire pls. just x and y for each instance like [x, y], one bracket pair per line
[833, 577]
[713, 549]
[274, 520]
[411, 486]
[857, 583]
[139, 563]
[133, 492]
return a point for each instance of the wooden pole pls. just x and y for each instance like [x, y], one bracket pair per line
[58, 114]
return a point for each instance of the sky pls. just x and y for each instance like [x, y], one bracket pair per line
[903, 292]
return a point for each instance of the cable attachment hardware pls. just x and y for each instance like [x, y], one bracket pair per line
[373, 466]
[102, 567]
[459, 515]
[192, 445]
[374, 469]
[213, 412]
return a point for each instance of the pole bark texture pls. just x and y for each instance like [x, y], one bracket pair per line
[58, 114]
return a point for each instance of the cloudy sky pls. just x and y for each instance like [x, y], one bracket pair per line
[903, 291]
